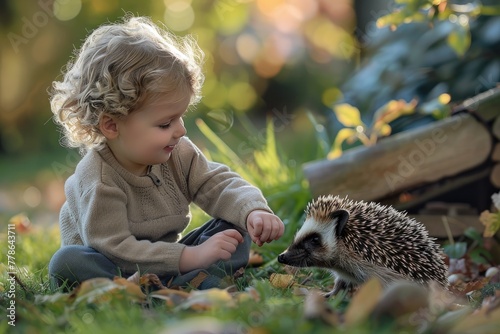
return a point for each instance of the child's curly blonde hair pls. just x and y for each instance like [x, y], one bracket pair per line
[116, 70]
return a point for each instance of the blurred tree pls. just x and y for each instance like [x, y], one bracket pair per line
[260, 55]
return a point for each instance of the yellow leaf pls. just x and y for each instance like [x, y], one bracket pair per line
[491, 222]
[382, 129]
[132, 289]
[363, 302]
[281, 281]
[342, 135]
[22, 223]
[201, 300]
[94, 290]
[394, 109]
[348, 115]
[444, 98]
[459, 39]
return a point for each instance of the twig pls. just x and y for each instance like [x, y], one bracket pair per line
[448, 230]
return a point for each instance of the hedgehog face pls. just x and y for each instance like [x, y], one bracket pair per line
[315, 243]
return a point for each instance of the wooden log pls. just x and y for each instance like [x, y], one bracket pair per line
[440, 225]
[403, 161]
[485, 105]
[496, 127]
[495, 155]
[495, 176]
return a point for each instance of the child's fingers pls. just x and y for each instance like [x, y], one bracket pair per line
[278, 229]
[234, 234]
[258, 226]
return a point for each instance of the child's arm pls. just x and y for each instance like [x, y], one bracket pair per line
[264, 227]
[218, 247]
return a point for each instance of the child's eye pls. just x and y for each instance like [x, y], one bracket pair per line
[164, 126]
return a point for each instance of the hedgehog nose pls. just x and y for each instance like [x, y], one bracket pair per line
[281, 258]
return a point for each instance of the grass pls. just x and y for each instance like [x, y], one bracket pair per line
[257, 304]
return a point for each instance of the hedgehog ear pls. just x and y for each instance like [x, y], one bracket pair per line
[341, 216]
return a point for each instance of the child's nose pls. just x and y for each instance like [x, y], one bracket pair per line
[180, 131]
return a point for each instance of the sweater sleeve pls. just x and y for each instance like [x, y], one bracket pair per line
[216, 189]
[104, 227]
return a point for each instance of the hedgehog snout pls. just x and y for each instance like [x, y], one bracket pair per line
[282, 258]
[292, 256]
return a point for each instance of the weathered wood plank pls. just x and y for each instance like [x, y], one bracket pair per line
[496, 127]
[402, 161]
[495, 155]
[436, 224]
[495, 176]
[486, 105]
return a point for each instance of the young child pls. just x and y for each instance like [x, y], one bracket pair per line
[121, 102]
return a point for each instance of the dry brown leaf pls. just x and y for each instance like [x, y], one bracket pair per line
[239, 273]
[400, 298]
[316, 307]
[291, 270]
[481, 321]
[131, 288]
[196, 282]
[202, 300]
[94, 290]
[170, 296]
[151, 280]
[363, 302]
[255, 259]
[281, 281]
[22, 223]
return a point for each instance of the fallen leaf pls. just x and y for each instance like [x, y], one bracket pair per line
[281, 281]
[239, 273]
[363, 302]
[21, 222]
[151, 280]
[479, 322]
[400, 298]
[196, 282]
[316, 307]
[201, 300]
[255, 259]
[94, 290]
[491, 222]
[170, 296]
[203, 325]
[132, 289]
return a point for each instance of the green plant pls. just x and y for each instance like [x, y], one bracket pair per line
[355, 129]
[458, 14]
[281, 183]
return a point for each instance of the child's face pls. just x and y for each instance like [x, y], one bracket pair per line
[148, 135]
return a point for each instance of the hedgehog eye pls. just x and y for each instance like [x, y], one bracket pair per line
[315, 240]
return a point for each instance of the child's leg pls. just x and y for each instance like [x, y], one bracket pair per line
[74, 264]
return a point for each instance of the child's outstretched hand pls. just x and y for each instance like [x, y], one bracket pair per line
[220, 246]
[264, 227]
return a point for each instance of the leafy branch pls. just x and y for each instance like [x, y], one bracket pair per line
[459, 15]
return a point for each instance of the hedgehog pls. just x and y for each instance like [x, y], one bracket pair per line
[358, 240]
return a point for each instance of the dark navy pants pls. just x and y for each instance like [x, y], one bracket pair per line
[73, 264]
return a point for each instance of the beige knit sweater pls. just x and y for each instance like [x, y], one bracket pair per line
[135, 222]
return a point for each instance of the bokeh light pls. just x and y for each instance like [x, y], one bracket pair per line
[179, 15]
[66, 10]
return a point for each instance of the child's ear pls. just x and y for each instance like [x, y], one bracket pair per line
[108, 127]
